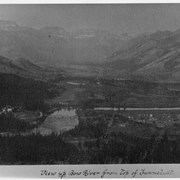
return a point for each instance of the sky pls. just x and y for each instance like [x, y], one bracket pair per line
[132, 18]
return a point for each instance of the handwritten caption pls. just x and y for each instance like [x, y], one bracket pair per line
[106, 173]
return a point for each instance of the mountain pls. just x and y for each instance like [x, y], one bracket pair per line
[6, 66]
[55, 45]
[28, 65]
[26, 92]
[154, 56]
[24, 68]
[94, 45]
[149, 56]
[55, 31]
[8, 25]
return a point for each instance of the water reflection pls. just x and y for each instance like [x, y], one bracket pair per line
[59, 121]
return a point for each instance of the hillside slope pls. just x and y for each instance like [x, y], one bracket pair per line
[24, 68]
[154, 55]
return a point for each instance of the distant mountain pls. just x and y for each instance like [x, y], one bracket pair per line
[8, 25]
[93, 45]
[23, 67]
[55, 31]
[150, 56]
[6, 66]
[55, 45]
[155, 55]
[28, 65]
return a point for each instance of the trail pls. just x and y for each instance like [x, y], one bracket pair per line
[136, 109]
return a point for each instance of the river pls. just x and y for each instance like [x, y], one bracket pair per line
[64, 119]
[59, 121]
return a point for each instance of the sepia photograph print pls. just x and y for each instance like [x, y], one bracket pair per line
[90, 86]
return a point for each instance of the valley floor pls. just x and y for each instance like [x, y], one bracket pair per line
[123, 132]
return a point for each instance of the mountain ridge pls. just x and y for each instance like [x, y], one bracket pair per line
[56, 45]
[149, 55]
[24, 68]
[156, 54]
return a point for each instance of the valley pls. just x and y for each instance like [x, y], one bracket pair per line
[133, 117]
[88, 96]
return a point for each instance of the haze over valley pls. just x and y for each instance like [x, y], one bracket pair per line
[152, 56]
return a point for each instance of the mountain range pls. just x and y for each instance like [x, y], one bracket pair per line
[24, 68]
[55, 45]
[151, 56]
[155, 56]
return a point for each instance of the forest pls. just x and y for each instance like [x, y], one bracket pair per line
[9, 123]
[52, 149]
[25, 92]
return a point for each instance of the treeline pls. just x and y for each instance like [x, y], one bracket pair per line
[36, 149]
[15, 90]
[93, 125]
[51, 149]
[109, 152]
[155, 151]
[9, 123]
[115, 150]
[87, 130]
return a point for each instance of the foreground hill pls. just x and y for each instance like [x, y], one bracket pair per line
[25, 92]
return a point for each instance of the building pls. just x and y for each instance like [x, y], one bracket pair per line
[7, 109]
